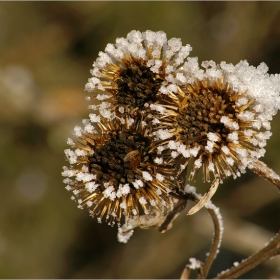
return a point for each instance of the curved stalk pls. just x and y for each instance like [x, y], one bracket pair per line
[218, 232]
[267, 173]
[270, 250]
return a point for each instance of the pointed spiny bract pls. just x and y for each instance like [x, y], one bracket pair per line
[223, 111]
[114, 173]
[137, 70]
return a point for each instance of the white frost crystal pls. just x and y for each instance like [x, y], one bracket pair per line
[213, 117]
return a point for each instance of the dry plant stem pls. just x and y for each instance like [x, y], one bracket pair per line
[204, 269]
[273, 247]
[186, 273]
[264, 171]
[270, 250]
[215, 243]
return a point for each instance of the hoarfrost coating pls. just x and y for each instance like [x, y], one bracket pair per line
[224, 111]
[159, 119]
[137, 70]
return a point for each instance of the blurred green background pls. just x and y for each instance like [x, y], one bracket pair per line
[46, 52]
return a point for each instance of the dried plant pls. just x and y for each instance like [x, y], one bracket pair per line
[116, 170]
[161, 121]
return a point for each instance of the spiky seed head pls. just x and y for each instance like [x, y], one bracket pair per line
[136, 71]
[113, 172]
[219, 122]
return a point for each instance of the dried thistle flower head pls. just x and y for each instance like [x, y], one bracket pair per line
[220, 120]
[117, 171]
[161, 116]
[136, 71]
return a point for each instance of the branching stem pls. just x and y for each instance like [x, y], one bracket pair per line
[270, 250]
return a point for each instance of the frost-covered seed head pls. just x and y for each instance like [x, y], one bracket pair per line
[220, 111]
[115, 174]
[132, 71]
[158, 117]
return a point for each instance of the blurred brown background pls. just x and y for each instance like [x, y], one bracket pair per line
[46, 52]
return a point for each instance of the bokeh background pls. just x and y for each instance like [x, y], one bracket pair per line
[46, 52]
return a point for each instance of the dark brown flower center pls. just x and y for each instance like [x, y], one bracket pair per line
[116, 161]
[137, 85]
[202, 114]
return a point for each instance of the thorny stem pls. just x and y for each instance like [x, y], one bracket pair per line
[270, 250]
[264, 171]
